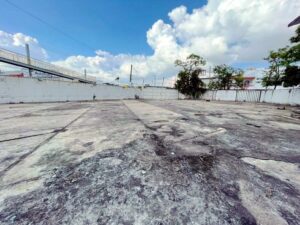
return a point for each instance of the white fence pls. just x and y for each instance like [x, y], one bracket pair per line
[15, 90]
[278, 96]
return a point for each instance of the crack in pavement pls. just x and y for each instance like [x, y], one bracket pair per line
[19, 182]
[29, 136]
[2, 173]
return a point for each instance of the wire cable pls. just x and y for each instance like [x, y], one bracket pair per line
[50, 25]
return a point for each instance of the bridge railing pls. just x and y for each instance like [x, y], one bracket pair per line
[44, 65]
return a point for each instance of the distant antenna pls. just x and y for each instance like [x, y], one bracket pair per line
[130, 78]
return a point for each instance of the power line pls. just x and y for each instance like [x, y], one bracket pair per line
[50, 25]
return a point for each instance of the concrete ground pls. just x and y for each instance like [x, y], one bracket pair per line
[151, 162]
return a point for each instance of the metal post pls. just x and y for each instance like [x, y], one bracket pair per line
[130, 78]
[259, 95]
[27, 53]
[28, 58]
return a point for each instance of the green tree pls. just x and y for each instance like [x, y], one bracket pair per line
[283, 64]
[227, 77]
[296, 38]
[188, 81]
[214, 85]
[193, 62]
[224, 76]
[292, 71]
[293, 54]
[183, 83]
[277, 61]
[292, 76]
[239, 78]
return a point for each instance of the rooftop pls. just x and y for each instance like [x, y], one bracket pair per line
[149, 162]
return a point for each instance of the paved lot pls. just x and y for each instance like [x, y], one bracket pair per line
[151, 162]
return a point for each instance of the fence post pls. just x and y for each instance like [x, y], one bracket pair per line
[259, 95]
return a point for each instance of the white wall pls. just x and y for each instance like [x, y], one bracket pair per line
[228, 95]
[278, 96]
[282, 96]
[248, 96]
[160, 93]
[14, 90]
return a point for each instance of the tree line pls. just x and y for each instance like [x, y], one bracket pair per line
[189, 82]
[283, 69]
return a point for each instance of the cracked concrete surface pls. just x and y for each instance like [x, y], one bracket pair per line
[149, 162]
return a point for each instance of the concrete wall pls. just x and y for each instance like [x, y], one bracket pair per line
[225, 95]
[14, 90]
[279, 96]
[248, 95]
[160, 93]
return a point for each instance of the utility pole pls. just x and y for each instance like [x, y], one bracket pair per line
[163, 82]
[28, 58]
[84, 73]
[130, 78]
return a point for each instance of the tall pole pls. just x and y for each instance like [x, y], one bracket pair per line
[28, 58]
[163, 82]
[84, 73]
[130, 78]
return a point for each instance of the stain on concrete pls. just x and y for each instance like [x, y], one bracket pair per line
[151, 163]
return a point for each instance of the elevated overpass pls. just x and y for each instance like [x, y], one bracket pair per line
[33, 64]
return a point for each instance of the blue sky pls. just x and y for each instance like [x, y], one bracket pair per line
[117, 26]
[150, 34]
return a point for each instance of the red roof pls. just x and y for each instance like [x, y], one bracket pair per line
[16, 75]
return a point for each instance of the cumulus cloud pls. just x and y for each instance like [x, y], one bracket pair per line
[222, 31]
[16, 42]
[105, 65]
[226, 31]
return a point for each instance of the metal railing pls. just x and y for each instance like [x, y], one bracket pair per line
[44, 65]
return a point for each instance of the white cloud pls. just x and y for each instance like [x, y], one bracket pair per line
[16, 42]
[234, 31]
[222, 31]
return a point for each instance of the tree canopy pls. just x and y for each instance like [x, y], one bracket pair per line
[227, 77]
[188, 81]
[283, 67]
